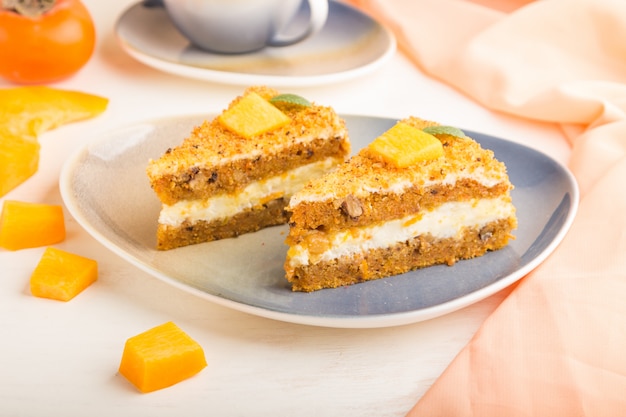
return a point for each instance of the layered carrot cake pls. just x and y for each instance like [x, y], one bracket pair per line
[235, 174]
[419, 195]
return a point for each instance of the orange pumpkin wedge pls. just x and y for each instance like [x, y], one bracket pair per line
[29, 225]
[19, 159]
[27, 112]
[61, 275]
[161, 357]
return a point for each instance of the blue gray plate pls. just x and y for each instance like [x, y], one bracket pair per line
[105, 188]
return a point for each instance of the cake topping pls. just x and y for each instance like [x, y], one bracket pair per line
[445, 130]
[252, 115]
[404, 145]
[290, 100]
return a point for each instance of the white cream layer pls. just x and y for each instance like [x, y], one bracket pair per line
[445, 221]
[255, 194]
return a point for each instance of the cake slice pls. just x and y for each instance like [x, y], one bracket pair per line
[234, 174]
[419, 195]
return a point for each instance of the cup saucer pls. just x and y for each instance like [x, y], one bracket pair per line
[350, 44]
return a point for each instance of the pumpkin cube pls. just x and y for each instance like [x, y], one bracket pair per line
[161, 357]
[28, 225]
[61, 275]
[252, 115]
[404, 145]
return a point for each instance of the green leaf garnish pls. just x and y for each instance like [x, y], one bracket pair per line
[444, 130]
[292, 99]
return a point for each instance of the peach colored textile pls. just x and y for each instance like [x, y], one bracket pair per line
[557, 345]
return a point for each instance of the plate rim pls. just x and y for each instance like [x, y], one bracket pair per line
[331, 321]
[239, 78]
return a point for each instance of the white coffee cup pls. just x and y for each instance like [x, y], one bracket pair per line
[240, 26]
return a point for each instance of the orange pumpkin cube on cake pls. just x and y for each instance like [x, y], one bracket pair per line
[420, 194]
[235, 174]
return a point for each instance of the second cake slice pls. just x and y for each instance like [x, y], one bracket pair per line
[419, 195]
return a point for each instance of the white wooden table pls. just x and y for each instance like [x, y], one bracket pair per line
[62, 358]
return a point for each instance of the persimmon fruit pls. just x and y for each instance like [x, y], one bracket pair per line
[44, 45]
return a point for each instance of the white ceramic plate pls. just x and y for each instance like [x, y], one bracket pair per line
[350, 44]
[105, 188]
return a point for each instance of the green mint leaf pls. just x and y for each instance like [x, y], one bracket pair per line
[292, 99]
[445, 130]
